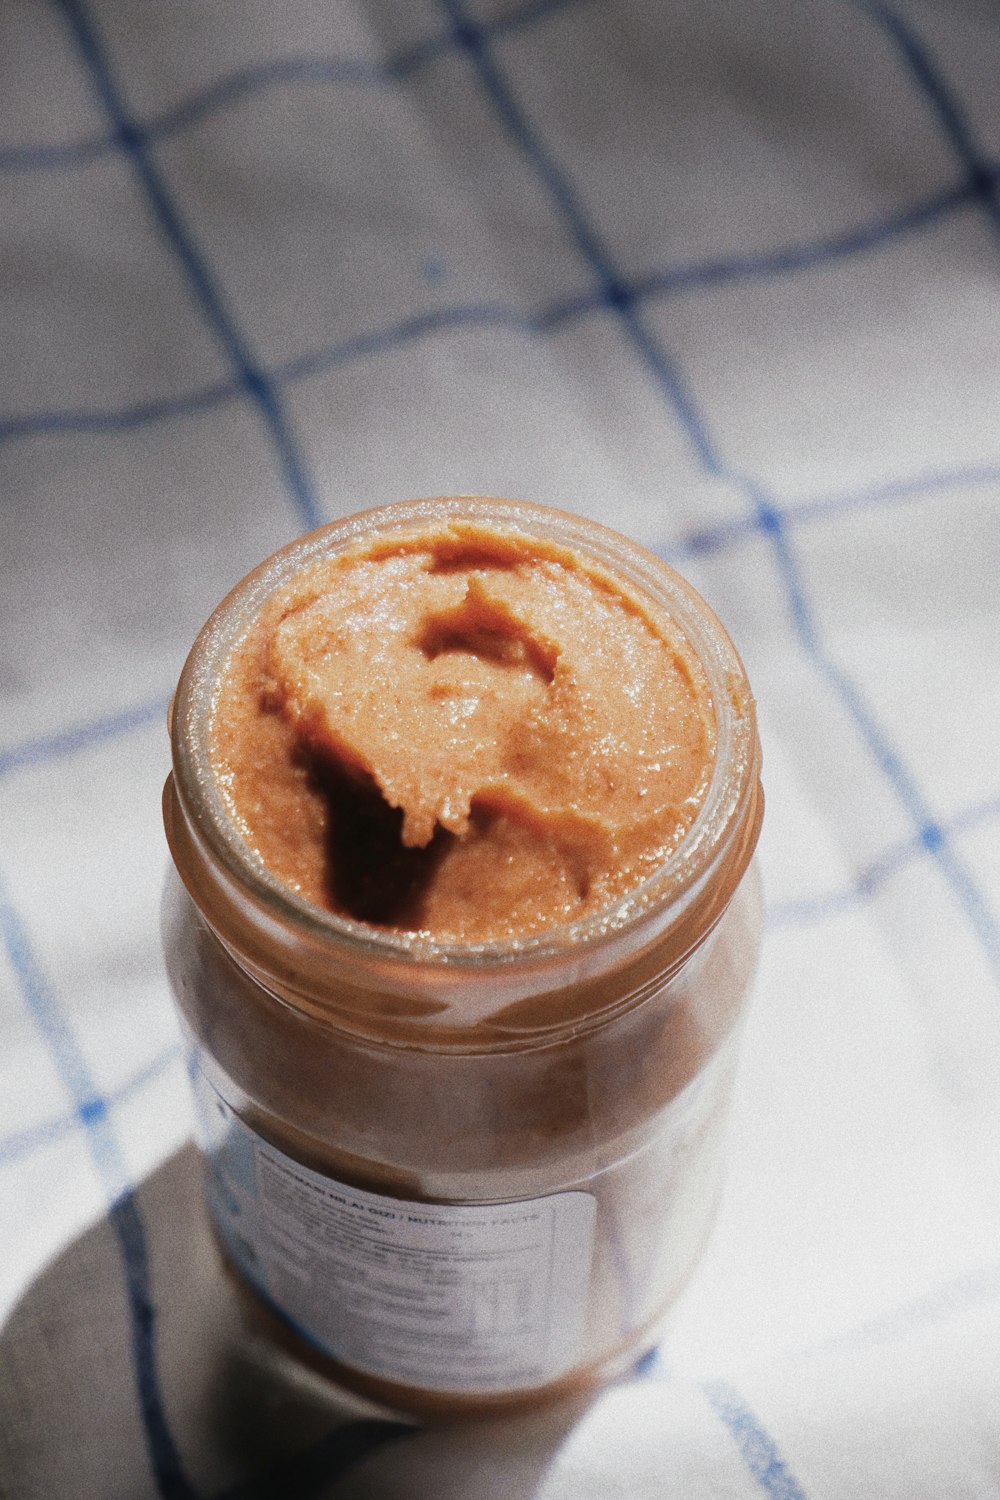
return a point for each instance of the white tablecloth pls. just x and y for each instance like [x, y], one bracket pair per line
[725, 276]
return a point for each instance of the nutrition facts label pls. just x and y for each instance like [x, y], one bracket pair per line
[476, 1297]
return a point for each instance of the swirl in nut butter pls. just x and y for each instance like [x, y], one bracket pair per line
[462, 732]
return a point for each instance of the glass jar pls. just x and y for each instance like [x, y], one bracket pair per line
[461, 1176]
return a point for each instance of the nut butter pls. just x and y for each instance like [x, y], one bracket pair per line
[463, 799]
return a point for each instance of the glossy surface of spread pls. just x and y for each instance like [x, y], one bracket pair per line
[465, 732]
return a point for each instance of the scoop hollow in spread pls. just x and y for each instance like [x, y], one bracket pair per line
[463, 732]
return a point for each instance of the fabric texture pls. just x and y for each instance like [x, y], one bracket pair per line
[723, 276]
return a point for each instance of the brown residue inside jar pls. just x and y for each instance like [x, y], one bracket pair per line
[463, 733]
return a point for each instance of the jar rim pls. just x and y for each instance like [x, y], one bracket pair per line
[727, 808]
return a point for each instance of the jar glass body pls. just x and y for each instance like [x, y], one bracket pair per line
[462, 1180]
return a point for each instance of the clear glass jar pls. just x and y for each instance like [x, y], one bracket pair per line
[461, 1176]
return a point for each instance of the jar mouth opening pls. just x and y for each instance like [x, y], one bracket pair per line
[665, 894]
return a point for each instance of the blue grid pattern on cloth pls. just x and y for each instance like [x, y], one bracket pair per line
[976, 187]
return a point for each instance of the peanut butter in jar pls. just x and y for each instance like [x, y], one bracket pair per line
[465, 792]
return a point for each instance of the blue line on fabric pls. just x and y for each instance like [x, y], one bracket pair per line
[929, 831]
[225, 92]
[254, 381]
[616, 295]
[241, 84]
[676, 281]
[125, 419]
[282, 72]
[807, 257]
[652, 1367]
[893, 491]
[244, 83]
[301, 367]
[57, 157]
[419, 325]
[945, 1301]
[788, 260]
[645, 1365]
[757, 1449]
[123, 1212]
[22, 1143]
[981, 176]
[83, 736]
[707, 540]
[816, 908]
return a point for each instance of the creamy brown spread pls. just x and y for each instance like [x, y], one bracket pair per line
[465, 732]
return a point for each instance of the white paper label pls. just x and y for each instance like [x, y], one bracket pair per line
[472, 1297]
